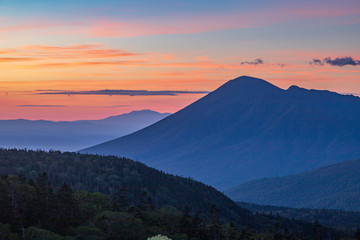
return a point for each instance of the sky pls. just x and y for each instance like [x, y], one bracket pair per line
[71, 60]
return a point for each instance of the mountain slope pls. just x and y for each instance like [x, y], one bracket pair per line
[346, 220]
[123, 179]
[247, 129]
[70, 136]
[109, 174]
[336, 187]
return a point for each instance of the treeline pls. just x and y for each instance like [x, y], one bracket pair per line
[38, 210]
[343, 220]
[101, 187]
[106, 174]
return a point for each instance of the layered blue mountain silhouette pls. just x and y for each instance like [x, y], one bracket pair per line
[247, 129]
[336, 186]
[72, 135]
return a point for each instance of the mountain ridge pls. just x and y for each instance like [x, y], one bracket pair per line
[72, 135]
[246, 129]
[333, 187]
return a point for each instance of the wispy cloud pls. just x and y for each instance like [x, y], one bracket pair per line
[110, 106]
[72, 106]
[87, 63]
[342, 61]
[103, 26]
[16, 59]
[316, 61]
[73, 51]
[33, 25]
[255, 62]
[339, 61]
[214, 22]
[110, 92]
[42, 106]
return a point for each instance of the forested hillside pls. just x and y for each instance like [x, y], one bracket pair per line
[109, 174]
[105, 183]
[345, 220]
[38, 210]
[334, 187]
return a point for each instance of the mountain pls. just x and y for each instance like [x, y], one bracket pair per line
[247, 129]
[72, 135]
[335, 187]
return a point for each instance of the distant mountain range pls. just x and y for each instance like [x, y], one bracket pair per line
[73, 135]
[248, 129]
[335, 187]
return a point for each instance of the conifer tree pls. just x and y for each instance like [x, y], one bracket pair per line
[44, 201]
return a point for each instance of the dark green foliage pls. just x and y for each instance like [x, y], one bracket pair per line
[89, 233]
[81, 215]
[44, 201]
[115, 224]
[120, 199]
[357, 234]
[134, 202]
[5, 232]
[108, 175]
[185, 221]
[344, 220]
[33, 233]
[67, 208]
[5, 203]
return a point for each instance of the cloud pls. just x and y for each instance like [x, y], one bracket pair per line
[76, 51]
[342, 61]
[46, 106]
[316, 61]
[73, 51]
[208, 22]
[72, 106]
[255, 62]
[110, 92]
[111, 106]
[15, 59]
[99, 25]
[86, 64]
[27, 26]
[282, 65]
[339, 61]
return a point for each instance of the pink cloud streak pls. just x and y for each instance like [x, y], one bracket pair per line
[180, 25]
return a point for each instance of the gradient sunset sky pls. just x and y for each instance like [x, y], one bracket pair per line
[58, 57]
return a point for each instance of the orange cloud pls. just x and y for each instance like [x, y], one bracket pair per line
[15, 59]
[86, 64]
[75, 51]
[89, 55]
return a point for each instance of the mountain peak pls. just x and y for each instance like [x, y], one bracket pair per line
[295, 88]
[246, 129]
[143, 111]
[249, 84]
[247, 78]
